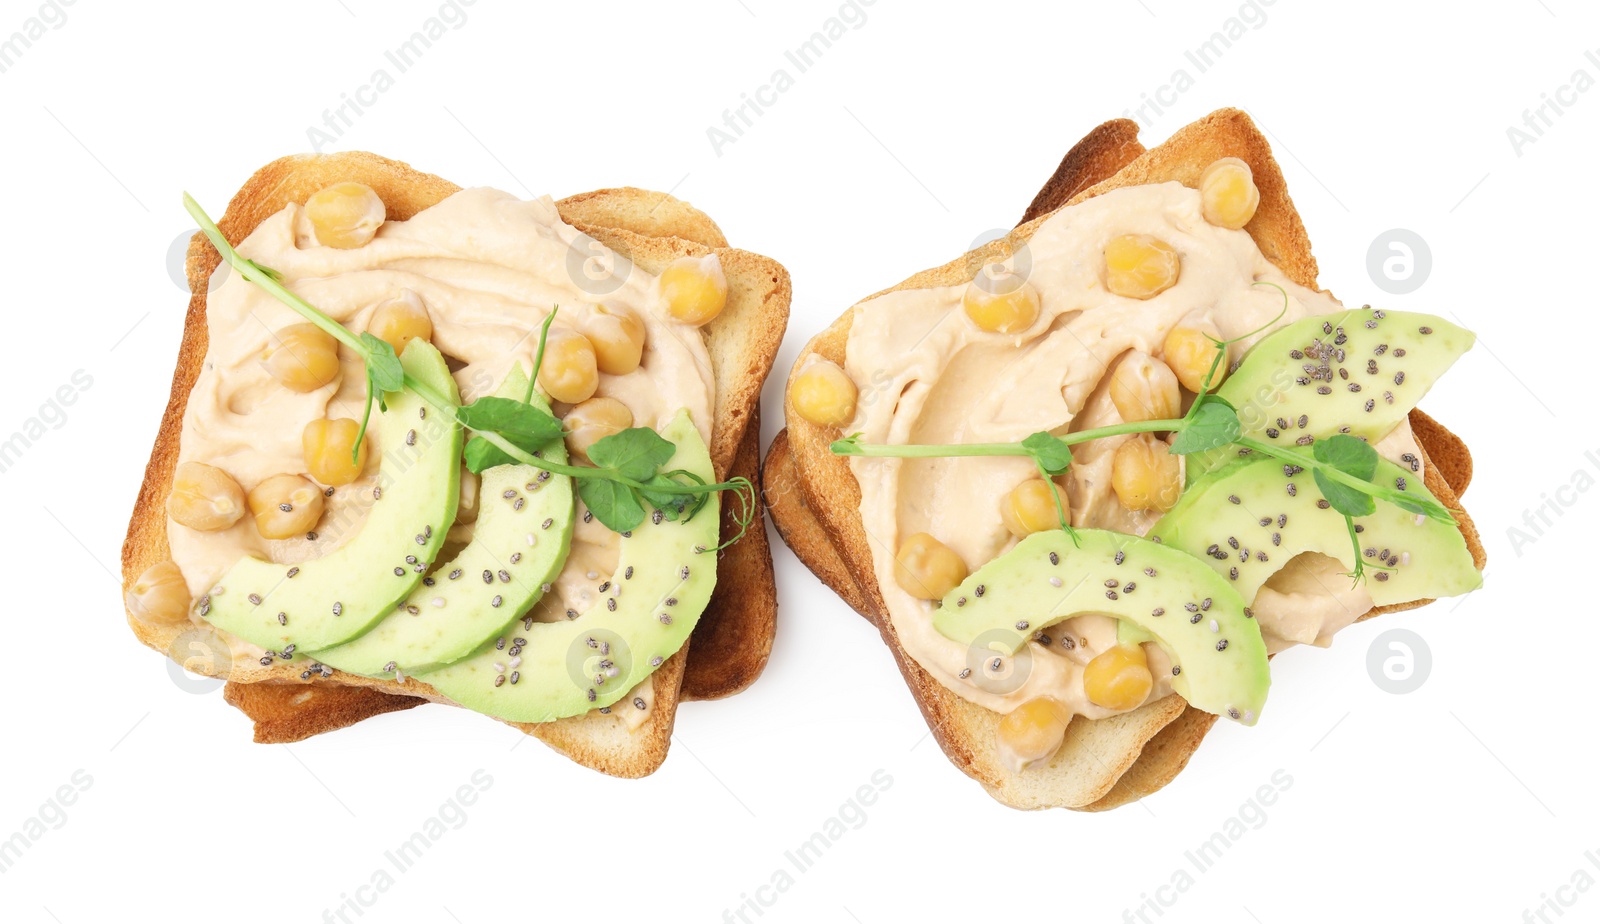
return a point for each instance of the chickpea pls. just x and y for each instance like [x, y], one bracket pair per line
[303, 357]
[1034, 730]
[327, 445]
[824, 394]
[401, 320]
[205, 497]
[1140, 266]
[593, 420]
[617, 334]
[1144, 388]
[1118, 678]
[927, 569]
[1001, 302]
[695, 288]
[285, 505]
[159, 595]
[1145, 475]
[1228, 194]
[570, 372]
[345, 215]
[467, 508]
[1189, 351]
[1029, 508]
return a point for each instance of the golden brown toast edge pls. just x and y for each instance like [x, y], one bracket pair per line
[819, 475]
[742, 342]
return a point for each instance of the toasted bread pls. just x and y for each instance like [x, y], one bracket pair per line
[650, 229]
[1109, 762]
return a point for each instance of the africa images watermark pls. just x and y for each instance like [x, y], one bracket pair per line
[51, 816]
[851, 816]
[1249, 17]
[51, 415]
[1552, 106]
[50, 16]
[1553, 907]
[1251, 816]
[402, 58]
[739, 119]
[450, 816]
[1553, 505]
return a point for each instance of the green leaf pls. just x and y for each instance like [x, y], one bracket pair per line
[613, 504]
[523, 424]
[1355, 457]
[636, 453]
[671, 503]
[1052, 456]
[1347, 500]
[383, 366]
[1213, 424]
[482, 455]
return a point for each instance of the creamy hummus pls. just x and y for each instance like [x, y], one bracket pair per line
[489, 268]
[928, 375]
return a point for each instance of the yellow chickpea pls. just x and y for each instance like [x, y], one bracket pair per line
[1001, 302]
[285, 505]
[302, 357]
[1144, 388]
[694, 288]
[345, 215]
[467, 507]
[1140, 266]
[594, 420]
[617, 334]
[1228, 194]
[205, 497]
[928, 569]
[1145, 475]
[401, 320]
[1118, 678]
[570, 372]
[160, 595]
[327, 445]
[1029, 508]
[1189, 350]
[1034, 730]
[824, 394]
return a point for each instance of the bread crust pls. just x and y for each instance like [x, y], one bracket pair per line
[650, 229]
[818, 512]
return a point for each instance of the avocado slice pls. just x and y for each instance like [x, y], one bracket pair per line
[318, 604]
[1359, 372]
[1249, 518]
[1219, 658]
[520, 542]
[663, 580]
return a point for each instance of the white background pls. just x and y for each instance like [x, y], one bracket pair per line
[1471, 798]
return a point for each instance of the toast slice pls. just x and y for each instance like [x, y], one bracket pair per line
[649, 228]
[814, 499]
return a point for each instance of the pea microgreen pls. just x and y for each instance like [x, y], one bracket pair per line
[626, 474]
[1343, 467]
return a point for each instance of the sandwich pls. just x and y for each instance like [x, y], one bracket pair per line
[1089, 477]
[433, 444]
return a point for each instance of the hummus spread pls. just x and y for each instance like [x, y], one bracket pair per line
[488, 267]
[928, 375]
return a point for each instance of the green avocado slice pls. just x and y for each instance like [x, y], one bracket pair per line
[520, 541]
[1249, 518]
[1219, 658]
[318, 604]
[663, 580]
[1359, 372]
